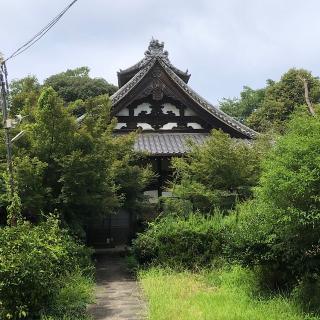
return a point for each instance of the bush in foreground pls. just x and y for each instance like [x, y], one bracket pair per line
[186, 242]
[35, 265]
[71, 301]
[218, 173]
[279, 229]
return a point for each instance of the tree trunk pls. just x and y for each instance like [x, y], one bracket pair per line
[306, 95]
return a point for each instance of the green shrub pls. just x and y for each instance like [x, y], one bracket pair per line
[218, 173]
[132, 263]
[35, 261]
[279, 230]
[186, 242]
[307, 294]
[73, 297]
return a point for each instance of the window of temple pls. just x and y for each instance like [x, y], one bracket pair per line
[144, 126]
[152, 195]
[189, 112]
[194, 125]
[169, 126]
[120, 125]
[143, 107]
[124, 112]
[169, 108]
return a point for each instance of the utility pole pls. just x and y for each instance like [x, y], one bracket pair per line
[6, 122]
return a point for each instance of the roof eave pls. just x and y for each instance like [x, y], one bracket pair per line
[223, 117]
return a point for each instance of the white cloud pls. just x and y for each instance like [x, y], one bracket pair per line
[224, 44]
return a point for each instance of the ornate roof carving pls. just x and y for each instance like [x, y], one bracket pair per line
[155, 53]
[155, 50]
[122, 92]
[209, 107]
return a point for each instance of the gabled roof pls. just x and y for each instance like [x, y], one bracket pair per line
[158, 55]
[155, 49]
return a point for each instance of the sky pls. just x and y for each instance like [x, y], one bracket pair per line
[224, 44]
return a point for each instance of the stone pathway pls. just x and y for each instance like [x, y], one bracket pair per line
[118, 296]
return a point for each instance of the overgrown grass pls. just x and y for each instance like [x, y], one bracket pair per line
[71, 301]
[217, 295]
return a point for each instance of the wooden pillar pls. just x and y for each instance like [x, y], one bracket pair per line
[160, 176]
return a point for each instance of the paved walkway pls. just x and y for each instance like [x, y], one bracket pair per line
[118, 296]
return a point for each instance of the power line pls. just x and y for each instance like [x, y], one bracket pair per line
[4, 93]
[40, 34]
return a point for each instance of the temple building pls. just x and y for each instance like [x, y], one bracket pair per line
[155, 96]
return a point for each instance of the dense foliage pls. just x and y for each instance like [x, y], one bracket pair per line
[24, 94]
[71, 85]
[80, 169]
[35, 265]
[268, 193]
[241, 108]
[179, 242]
[76, 84]
[279, 229]
[73, 166]
[218, 173]
[270, 108]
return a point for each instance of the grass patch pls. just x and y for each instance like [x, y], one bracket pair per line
[217, 295]
[71, 301]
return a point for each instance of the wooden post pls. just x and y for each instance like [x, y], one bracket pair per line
[160, 177]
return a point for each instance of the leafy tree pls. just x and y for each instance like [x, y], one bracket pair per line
[53, 133]
[76, 84]
[28, 177]
[241, 108]
[219, 173]
[282, 98]
[279, 229]
[81, 169]
[24, 94]
[270, 108]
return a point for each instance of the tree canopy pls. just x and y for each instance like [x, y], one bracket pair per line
[270, 108]
[76, 84]
[218, 173]
[241, 108]
[80, 169]
[279, 229]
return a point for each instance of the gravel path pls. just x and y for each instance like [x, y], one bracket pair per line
[118, 296]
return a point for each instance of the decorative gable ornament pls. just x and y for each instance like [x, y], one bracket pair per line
[169, 104]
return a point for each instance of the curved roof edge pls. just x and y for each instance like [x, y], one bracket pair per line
[228, 120]
[203, 103]
[155, 50]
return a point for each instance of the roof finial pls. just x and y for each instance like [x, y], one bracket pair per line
[155, 49]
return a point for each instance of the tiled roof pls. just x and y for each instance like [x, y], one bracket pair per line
[155, 50]
[161, 57]
[161, 144]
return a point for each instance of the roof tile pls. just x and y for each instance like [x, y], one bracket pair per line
[158, 144]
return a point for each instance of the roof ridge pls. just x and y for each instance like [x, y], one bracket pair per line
[121, 92]
[155, 50]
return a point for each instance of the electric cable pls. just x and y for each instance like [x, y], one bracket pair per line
[40, 34]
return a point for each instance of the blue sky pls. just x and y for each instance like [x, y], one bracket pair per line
[224, 44]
